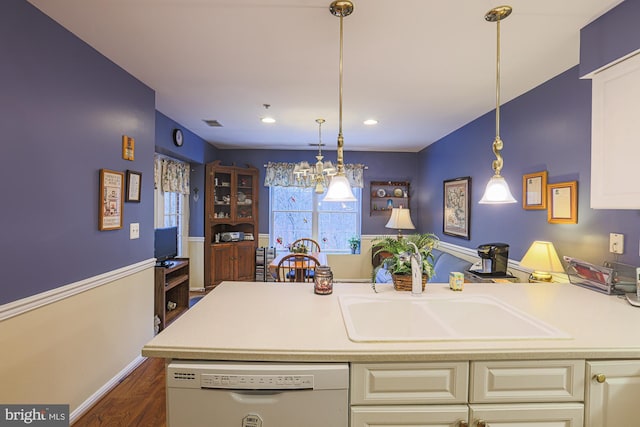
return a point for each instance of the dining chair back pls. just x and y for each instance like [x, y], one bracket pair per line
[310, 244]
[297, 268]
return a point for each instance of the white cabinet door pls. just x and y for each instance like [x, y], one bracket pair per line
[534, 414]
[530, 381]
[615, 136]
[409, 383]
[410, 416]
[615, 401]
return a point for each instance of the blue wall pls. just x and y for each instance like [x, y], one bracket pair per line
[197, 152]
[382, 166]
[64, 110]
[548, 128]
[611, 36]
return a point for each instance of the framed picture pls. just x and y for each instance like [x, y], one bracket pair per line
[563, 203]
[134, 185]
[457, 207]
[128, 147]
[534, 190]
[111, 189]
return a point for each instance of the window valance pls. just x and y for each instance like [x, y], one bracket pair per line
[171, 175]
[280, 174]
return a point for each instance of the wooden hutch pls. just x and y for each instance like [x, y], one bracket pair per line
[231, 223]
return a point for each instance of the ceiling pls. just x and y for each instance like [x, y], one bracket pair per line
[422, 68]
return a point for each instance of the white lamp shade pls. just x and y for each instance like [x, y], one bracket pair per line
[542, 256]
[497, 192]
[339, 190]
[400, 219]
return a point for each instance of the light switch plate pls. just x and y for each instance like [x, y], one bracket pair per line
[134, 230]
[616, 243]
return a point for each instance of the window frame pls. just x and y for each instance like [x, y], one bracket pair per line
[315, 217]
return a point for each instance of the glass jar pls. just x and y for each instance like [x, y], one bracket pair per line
[323, 280]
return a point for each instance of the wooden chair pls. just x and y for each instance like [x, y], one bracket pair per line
[297, 268]
[312, 245]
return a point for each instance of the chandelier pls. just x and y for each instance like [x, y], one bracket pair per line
[316, 175]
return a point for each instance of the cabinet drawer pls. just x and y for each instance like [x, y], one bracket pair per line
[409, 416]
[527, 381]
[409, 383]
[519, 414]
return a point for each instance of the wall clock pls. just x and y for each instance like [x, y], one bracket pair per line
[178, 138]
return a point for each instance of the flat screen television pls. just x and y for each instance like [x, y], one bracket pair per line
[165, 245]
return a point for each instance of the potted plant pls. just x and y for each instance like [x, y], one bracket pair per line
[354, 244]
[398, 258]
[298, 248]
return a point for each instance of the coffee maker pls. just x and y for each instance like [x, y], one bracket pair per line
[495, 257]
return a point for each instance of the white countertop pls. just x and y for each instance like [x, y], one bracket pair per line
[288, 322]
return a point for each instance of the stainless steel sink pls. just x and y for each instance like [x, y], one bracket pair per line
[402, 317]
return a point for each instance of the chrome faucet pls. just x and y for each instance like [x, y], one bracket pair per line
[416, 271]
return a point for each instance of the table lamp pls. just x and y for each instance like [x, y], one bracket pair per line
[543, 259]
[400, 219]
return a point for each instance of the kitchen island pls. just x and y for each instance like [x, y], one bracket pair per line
[589, 375]
[288, 322]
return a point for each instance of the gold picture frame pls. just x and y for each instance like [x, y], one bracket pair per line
[534, 191]
[111, 200]
[128, 148]
[563, 203]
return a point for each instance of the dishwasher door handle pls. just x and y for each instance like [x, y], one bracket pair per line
[248, 397]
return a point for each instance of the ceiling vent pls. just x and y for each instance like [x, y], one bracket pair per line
[213, 123]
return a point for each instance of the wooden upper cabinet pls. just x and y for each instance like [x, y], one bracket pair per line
[232, 192]
[231, 207]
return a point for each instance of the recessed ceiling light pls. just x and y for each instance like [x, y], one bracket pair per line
[370, 122]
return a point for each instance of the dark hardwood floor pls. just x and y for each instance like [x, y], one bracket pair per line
[138, 401]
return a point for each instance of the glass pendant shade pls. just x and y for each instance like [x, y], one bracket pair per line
[339, 190]
[497, 192]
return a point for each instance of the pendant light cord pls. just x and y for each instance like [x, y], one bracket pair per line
[497, 143]
[340, 159]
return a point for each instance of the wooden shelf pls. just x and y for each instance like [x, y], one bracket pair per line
[171, 284]
[379, 204]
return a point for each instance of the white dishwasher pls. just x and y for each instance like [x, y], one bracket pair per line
[257, 394]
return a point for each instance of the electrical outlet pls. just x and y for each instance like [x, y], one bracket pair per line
[616, 243]
[134, 230]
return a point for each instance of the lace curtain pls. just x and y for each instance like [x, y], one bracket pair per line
[281, 175]
[171, 175]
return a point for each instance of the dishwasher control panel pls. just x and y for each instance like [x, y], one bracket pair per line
[187, 374]
[260, 382]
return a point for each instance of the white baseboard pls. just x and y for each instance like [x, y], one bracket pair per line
[102, 391]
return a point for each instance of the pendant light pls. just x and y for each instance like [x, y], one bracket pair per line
[497, 190]
[339, 187]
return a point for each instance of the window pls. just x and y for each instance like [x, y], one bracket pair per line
[170, 213]
[171, 181]
[299, 212]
